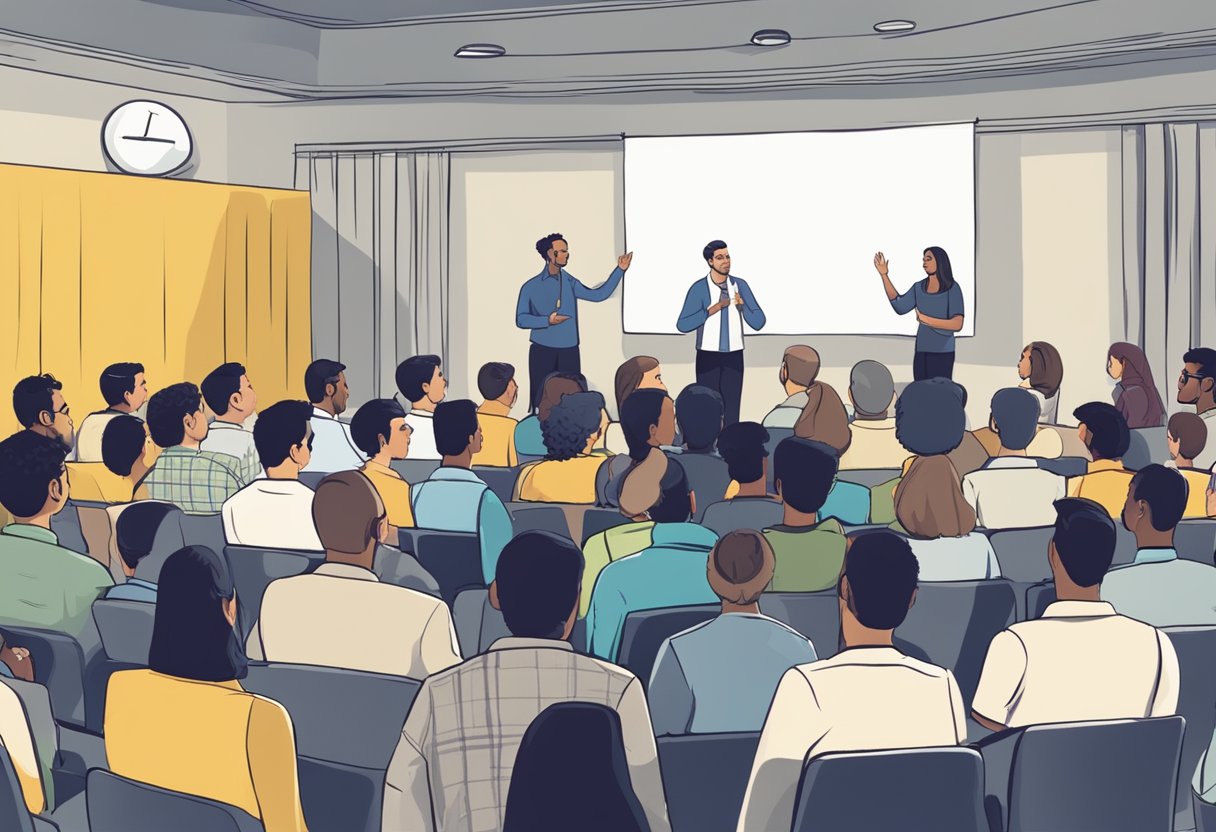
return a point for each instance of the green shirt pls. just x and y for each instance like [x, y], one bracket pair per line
[607, 546]
[808, 558]
[882, 502]
[44, 585]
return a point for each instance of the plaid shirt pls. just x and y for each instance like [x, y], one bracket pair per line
[197, 482]
[452, 768]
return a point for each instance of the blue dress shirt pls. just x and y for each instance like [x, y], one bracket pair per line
[457, 500]
[538, 299]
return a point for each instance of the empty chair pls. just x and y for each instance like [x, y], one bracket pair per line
[500, 480]
[73, 671]
[252, 571]
[414, 470]
[705, 778]
[118, 804]
[1196, 539]
[645, 632]
[530, 517]
[921, 788]
[125, 628]
[453, 559]
[869, 477]
[814, 614]
[1195, 647]
[597, 520]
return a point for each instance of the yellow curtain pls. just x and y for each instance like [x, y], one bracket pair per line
[180, 276]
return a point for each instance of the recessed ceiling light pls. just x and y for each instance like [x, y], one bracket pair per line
[771, 37]
[480, 50]
[895, 26]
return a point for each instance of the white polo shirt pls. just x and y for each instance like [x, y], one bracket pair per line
[1207, 457]
[271, 514]
[1080, 661]
[422, 440]
[1013, 492]
[861, 699]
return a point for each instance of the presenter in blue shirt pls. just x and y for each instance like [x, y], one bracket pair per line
[938, 302]
[548, 305]
[716, 307]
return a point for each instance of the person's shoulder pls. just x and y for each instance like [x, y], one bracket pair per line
[617, 675]
[221, 460]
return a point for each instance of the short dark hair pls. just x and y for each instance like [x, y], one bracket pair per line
[1109, 437]
[1190, 431]
[742, 446]
[537, 577]
[319, 374]
[34, 395]
[675, 502]
[882, 573]
[136, 528]
[372, 420]
[642, 409]
[122, 443]
[545, 243]
[571, 423]
[455, 422]
[1084, 539]
[280, 428]
[117, 380]
[29, 463]
[806, 471]
[221, 384]
[414, 372]
[699, 412]
[713, 245]
[1205, 357]
[1165, 490]
[191, 638]
[167, 408]
[1016, 414]
[930, 416]
[493, 379]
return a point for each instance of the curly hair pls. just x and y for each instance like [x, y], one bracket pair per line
[571, 422]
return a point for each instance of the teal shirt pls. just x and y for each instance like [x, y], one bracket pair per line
[671, 573]
[848, 502]
[456, 500]
[45, 586]
[529, 440]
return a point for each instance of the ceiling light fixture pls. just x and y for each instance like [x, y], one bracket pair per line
[480, 50]
[771, 37]
[895, 26]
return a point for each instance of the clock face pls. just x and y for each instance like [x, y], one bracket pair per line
[146, 138]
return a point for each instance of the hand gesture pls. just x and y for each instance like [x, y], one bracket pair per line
[624, 260]
[716, 308]
[738, 299]
[556, 318]
[880, 263]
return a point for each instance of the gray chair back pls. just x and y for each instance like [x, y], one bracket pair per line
[500, 480]
[869, 477]
[66, 526]
[415, 471]
[1022, 553]
[312, 478]
[125, 628]
[1148, 445]
[254, 568]
[1195, 647]
[478, 625]
[72, 670]
[705, 778]
[814, 614]
[539, 517]
[204, 530]
[453, 559]
[1204, 814]
[1196, 540]
[597, 520]
[13, 813]
[1066, 466]
[1038, 598]
[922, 788]
[119, 804]
[645, 631]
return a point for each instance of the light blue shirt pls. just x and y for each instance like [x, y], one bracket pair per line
[457, 500]
[848, 502]
[135, 589]
[671, 573]
[332, 447]
[967, 558]
[721, 675]
[1160, 589]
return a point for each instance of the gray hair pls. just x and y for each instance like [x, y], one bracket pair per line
[872, 387]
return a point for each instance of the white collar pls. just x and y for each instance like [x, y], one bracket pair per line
[345, 570]
[421, 414]
[1012, 462]
[318, 413]
[1079, 609]
[266, 485]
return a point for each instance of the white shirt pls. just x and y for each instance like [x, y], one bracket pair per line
[712, 333]
[235, 441]
[967, 558]
[1080, 661]
[874, 445]
[422, 440]
[332, 447]
[271, 514]
[1013, 492]
[88, 435]
[341, 615]
[1207, 458]
[863, 699]
[1049, 409]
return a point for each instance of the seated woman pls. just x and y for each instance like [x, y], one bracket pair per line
[648, 420]
[529, 440]
[825, 420]
[185, 723]
[1041, 371]
[940, 524]
[642, 372]
[567, 474]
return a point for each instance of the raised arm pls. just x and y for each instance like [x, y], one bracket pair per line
[605, 289]
[902, 304]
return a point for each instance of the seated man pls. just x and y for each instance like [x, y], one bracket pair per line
[1186, 435]
[720, 676]
[860, 699]
[452, 767]
[1081, 660]
[499, 391]
[381, 432]
[874, 445]
[799, 369]
[333, 448]
[341, 614]
[231, 397]
[42, 584]
[808, 551]
[194, 480]
[1011, 491]
[1159, 588]
[1197, 386]
[135, 534]
[39, 406]
[125, 452]
[671, 573]
[454, 499]
[749, 506]
[275, 512]
[125, 389]
[699, 413]
[567, 474]
[420, 380]
[1105, 434]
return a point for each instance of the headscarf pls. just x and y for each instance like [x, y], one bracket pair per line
[1137, 373]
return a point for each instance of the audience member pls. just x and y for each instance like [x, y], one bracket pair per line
[567, 474]
[420, 380]
[18, 741]
[642, 372]
[720, 676]
[455, 499]
[381, 431]
[930, 418]
[1081, 660]
[529, 440]
[873, 445]
[628, 538]
[1197, 386]
[42, 584]
[1186, 436]
[451, 772]
[119, 478]
[749, 505]
[39, 406]
[328, 392]
[499, 392]
[670, 573]
[648, 419]
[185, 723]
[699, 413]
[799, 369]
[808, 552]
[124, 387]
[1159, 588]
[341, 614]
[1105, 435]
[1011, 490]
[197, 481]
[231, 397]
[275, 512]
[136, 533]
[824, 418]
[867, 697]
[1136, 397]
[940, 525]
[1041, 371]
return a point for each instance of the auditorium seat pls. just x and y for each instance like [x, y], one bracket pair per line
[1195, 647]
[478, 624]
[1038, 598]
[125, 628]
[921, 788]
[814, 614]
[452, 558]
[1204, 813]
[705, 779]
[646, 630]
[1065, 466]
[203, 530]
[66, 526]
[415, 470]
[14, 816]
[75, 672]
[597, 520]
[1022, 556]
[1147, 446]
[118, 804]
[1196, 540]
[253, 569]
[500, 480]
[539, 517]
[312, 478]
[869, 477]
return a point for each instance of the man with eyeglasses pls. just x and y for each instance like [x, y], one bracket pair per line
[39, 406]
[1197, 386]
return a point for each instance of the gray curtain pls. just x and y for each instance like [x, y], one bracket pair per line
[379, 260]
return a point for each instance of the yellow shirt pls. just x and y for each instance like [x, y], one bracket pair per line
[93, 482]
[497, 437]
[394, 491]
[565, 481]
[210, 739]
[1197, 492]
[1105, 484]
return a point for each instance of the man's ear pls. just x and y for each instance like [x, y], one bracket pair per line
[494, 596]
[331, 390]
[55, 490]
[912, 602]
[46, 418]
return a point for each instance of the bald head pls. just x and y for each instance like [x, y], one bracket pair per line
[347, 511]
[801, 365]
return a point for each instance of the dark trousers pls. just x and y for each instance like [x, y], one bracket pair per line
[933, 365]
[545, 360]
[723, 371]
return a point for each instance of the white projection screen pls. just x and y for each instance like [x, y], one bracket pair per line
[803, 215]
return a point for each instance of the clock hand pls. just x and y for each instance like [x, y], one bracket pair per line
[147, 139]
[148, 126]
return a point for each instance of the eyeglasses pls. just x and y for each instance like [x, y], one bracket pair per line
[1185, 376]
[65, 410]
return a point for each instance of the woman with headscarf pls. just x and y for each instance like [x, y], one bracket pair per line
[1135, 395]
